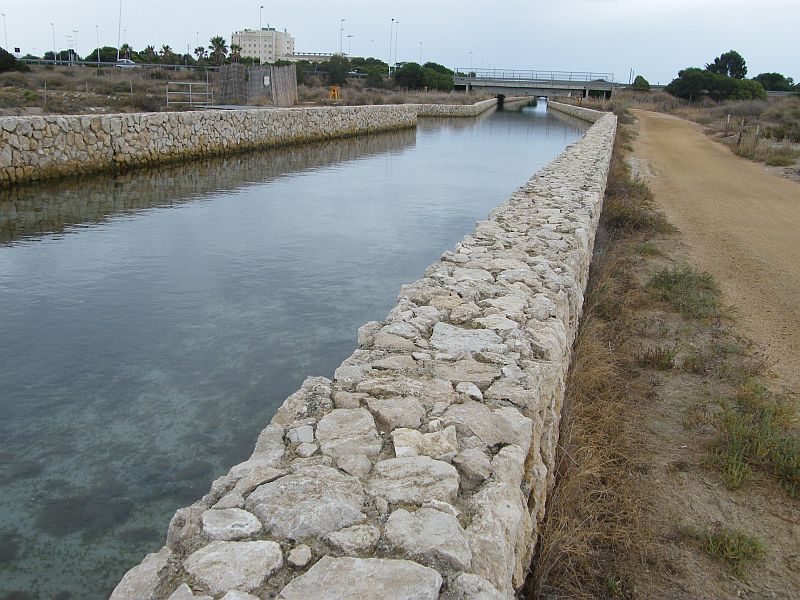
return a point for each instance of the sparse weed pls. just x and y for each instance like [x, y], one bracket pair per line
[661, 357]
[693, 293]
[736, 548]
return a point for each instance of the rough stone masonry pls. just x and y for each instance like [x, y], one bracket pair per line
[421, 470]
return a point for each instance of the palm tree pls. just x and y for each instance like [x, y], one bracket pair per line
[150, 54]
[167, 54]
[125, 50]
[236, 53]
[219, 49]
[200, 53]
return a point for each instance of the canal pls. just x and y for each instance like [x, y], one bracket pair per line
[152, 323]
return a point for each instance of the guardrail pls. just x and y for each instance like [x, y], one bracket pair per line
[533, 75]
[106, 64]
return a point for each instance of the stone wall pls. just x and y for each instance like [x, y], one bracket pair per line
[46, 147]
[586, 114]
[422, 469]
[33, 148]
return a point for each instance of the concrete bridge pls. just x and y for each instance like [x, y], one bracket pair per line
[535, 83]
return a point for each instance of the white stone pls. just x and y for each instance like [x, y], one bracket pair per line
[230, 524]
[345, 431]
[355, 539]
[311, 502]
[184, 592]
[508, 465]
[303, 434]
[468, 370]
[448, 338]
[141, 581]
[468, 586]
[504, 425]
[439, 444]
[431, 537]
[392, 413]
[222, 566]
[299, 556]
[357, 465]
[365, 579]
[470, 390]
[306, 449]
[473, 465]
[413, 480]
[236, 595]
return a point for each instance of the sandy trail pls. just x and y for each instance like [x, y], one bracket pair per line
[739, 222]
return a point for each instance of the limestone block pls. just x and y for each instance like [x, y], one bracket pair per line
[354, 540]
[468, 370]
[431, 537]
[473, 465]
[504, 425]
[365, 579]
[311, 502]
[184, 592]
[468, 586]
[448, 338]
[140, 582]
[441, 445]
[347, 431]
[299, 556]
[244, 566]
[230, 524]
[413, 480]
[392, 413]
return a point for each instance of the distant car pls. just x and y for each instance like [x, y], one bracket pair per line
[124, 63]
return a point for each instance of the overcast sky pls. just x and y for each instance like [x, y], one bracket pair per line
[656, 38]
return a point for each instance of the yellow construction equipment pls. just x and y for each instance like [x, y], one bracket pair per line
[335, 95]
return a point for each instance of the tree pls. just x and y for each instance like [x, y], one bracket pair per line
[125, 51]
[338, 67]
[775, 81]
[219, 49]
[730, 64]
[9, 63]
[167, 55]
[640, 84]
[438, 68]
[409, 76]
[693, 83]
[236, 53]
[200, 53]
[107, 54]
[150, 55]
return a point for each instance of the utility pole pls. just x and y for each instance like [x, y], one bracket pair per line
[5, 30]
[75, 42]
[420, 53]
[341, 30]
[396, 35]
[53, 27]
[350, 37]
[391, 33]
[119, 28]
[260, 8]
[97, 35]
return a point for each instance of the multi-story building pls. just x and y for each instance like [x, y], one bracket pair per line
[266, 44]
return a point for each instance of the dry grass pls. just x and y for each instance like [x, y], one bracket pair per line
[358, 96]
[592, 535]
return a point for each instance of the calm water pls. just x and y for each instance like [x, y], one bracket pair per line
[151, 324]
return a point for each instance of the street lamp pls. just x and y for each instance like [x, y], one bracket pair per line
[75, 41]
[5, 30]
[119, 28]
[97, 34]
[470, 60]
[391, 33]
[350, 37]
[341, 30]
[396, 35]
[420, 53]
[54, 42]
[260, 8]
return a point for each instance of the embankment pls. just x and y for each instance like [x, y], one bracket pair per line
[47, 147]
[422, 469]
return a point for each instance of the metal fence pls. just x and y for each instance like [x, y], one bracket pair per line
[533, 75]
[190, 93]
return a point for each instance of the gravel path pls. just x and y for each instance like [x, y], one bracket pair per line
[739, 222]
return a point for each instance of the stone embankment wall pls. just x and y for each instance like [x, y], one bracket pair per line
[35, 148]
[422, 469]
[586, 114]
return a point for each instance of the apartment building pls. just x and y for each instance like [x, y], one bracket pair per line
[266, 44]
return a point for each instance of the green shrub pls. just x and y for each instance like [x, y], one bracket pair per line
[692, 293]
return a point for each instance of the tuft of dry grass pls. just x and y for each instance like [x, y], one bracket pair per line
[660, 357]
[735, 547]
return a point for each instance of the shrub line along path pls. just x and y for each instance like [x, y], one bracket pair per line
[740, 223]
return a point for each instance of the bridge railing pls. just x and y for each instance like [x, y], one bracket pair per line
[532, 75]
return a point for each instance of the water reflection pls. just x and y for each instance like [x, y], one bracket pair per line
[152, 323]
[52, 207]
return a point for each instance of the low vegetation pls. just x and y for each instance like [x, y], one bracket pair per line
[690, 292]
[732, 546]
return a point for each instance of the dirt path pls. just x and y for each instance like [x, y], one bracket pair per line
[739, 222]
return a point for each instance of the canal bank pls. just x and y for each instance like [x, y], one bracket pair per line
[49, 147]
[155, 320]
[422, 467]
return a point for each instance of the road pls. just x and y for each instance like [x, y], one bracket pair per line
[739, 222]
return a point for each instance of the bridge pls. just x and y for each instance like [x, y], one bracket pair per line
[535, 83]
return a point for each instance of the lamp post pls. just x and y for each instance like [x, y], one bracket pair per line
[119, 28]
[97, 35]
[420, 53]
[75, 42]
[470, 60]
[260, 9]
[350, 37]
[53, 27]
[396, 35]
[391, 33]
[341, 30]
[5, 30]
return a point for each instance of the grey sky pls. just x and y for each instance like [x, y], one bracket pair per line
[654, 37]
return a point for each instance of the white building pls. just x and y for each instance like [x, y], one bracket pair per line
[266, 44]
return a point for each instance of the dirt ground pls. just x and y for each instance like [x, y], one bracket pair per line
[739, 222]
